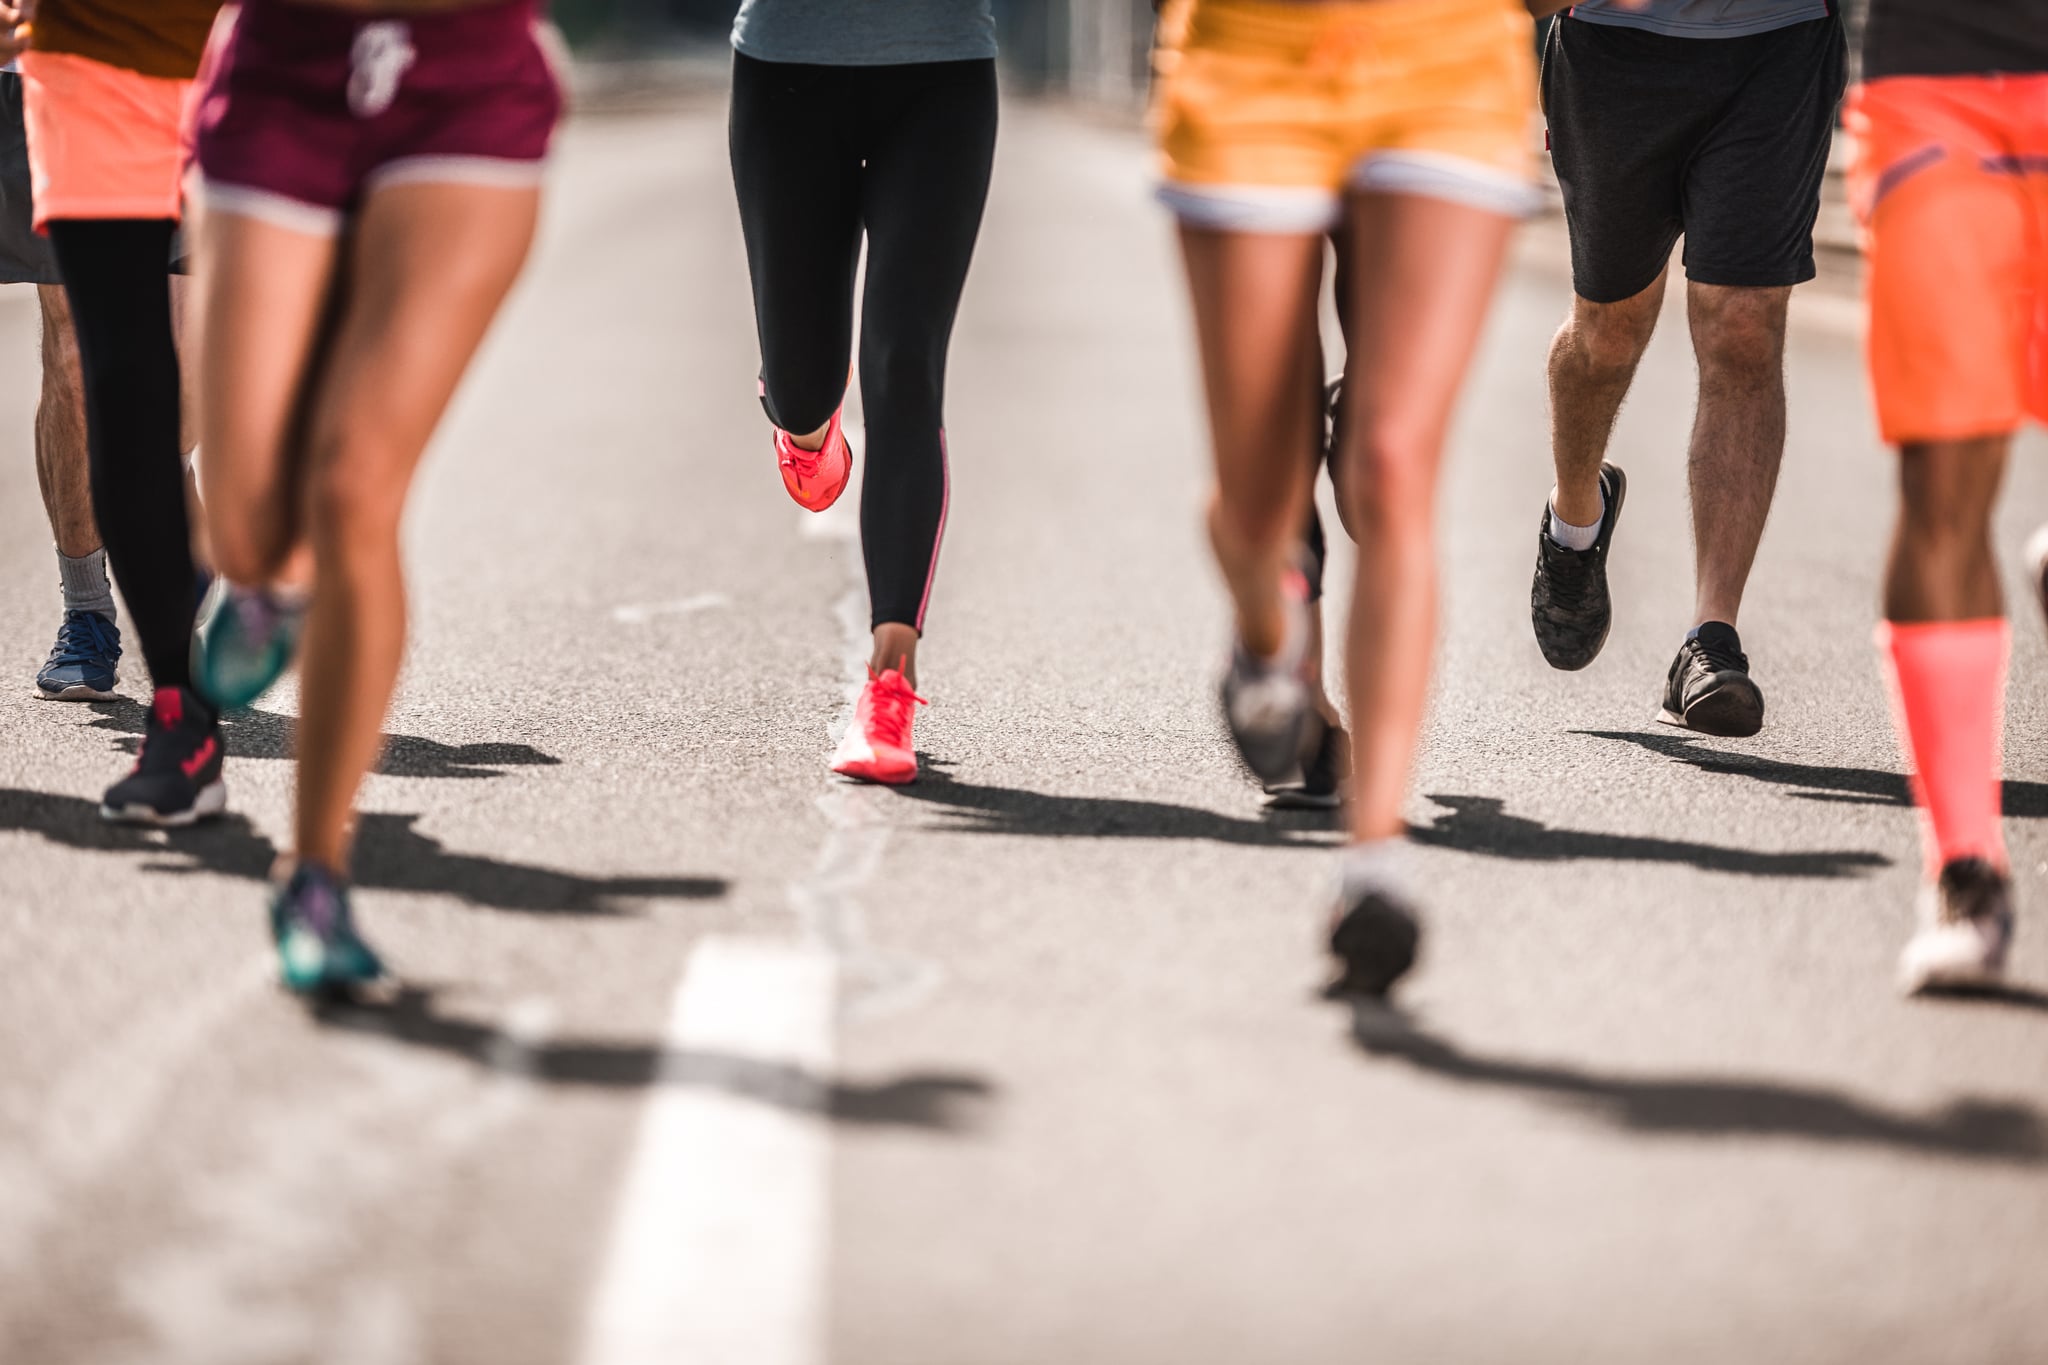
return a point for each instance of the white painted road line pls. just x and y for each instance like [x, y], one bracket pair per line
[718, 1249]
[639, 614]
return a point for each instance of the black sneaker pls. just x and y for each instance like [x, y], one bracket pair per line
[1709, 689]
[1320, 783]
[2037, 566]
[1568, 602]
[1965, 930]
[176, 780]
[1374, 937]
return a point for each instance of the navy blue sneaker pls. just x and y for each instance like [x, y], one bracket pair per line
[81, 666]
[244, 645]
[318, 949]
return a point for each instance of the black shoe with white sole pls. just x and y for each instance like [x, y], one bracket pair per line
[1965, 934]
[1320, 783]
[1266, 702]
[176, 780]
[1568, 601]
[1709, 688]
[1375, 936]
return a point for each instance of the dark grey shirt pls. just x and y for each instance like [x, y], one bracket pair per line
[1704, 18]
[865, 32]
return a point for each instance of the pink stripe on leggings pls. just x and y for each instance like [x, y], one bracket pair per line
[945, 502]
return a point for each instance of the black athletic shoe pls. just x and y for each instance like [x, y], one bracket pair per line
[1709, 689]
[1568, 602]
[1266, 702]
[176, 780]
[1320, 784]
[1965, 930]
[1374, 937]
[1333, 398]
[2037, 566]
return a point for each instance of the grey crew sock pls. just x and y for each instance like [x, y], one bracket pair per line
[85, 583]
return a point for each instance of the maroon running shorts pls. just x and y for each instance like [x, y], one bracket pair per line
[303, 110]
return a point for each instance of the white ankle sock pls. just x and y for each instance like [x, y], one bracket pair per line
[1379, 865]
[1575, 537]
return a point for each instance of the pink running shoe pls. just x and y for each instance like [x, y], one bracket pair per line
[877, 747]
[815, 478]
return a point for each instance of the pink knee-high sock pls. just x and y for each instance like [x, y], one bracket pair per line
[1948, 699]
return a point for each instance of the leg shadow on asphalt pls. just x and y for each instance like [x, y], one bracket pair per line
[1811, 782]
[391, 855]
[1481, 824]
[950, 1102]
[1047, 815]
[268, 735]
[1989, 1130]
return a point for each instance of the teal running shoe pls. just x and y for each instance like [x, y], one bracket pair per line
[244, 644]
[318, 949]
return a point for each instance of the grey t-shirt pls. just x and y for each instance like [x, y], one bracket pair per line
[865, 32]
[1704, 18]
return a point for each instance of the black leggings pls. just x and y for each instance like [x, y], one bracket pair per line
[820, 153]
[114, 274]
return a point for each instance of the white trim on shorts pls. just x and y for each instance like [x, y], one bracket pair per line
[279, 210]
[1439, 175]
[1253, 208]
[496, 172]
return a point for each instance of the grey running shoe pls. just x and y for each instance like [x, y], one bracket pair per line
[1266, 702]
[1568, 603]
[1965, 930]
[1374, 936]
[1709, 688]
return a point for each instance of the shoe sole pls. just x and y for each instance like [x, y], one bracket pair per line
[1571, 663]
[212, 801]
[1725, 712]
[75, 692]
[1951, 978]
[875, 780]
[1301, 800]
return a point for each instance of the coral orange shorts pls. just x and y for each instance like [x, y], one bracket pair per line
[1949, 177]
[103, 141]
[1268, 112]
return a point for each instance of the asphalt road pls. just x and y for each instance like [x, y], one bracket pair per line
[1025, 1063]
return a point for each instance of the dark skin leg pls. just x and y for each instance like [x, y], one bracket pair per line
[1942, 566]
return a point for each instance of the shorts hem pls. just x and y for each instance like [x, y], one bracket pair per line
[60, 208]
[268, 206]
[1278, 209]
[1752, 279]
[1959, 431]
[496, 172]
[1451, 178]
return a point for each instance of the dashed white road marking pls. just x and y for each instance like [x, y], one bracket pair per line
[718, 1252]
[640, 614]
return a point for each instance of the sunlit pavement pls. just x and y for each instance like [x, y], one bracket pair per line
[704, 1057]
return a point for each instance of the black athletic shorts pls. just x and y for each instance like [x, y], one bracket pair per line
[1724, 140]
[25, 258]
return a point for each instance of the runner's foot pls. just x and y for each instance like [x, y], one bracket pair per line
[877, 746]
[1568, 602]
[176, 780]
[318, 949]
[1268, 703]
[1966, 926]
[1709, 687]
[1320, 783]
[1374, 935]
[245, 644]
[82, 665]
[815, 478]
[2037, 566]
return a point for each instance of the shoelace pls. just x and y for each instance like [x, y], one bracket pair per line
[893, 710]
[1570, 575]
[794, 456]
[1719, 658]
[85, 637]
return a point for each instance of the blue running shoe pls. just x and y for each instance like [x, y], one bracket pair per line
[318, 949]
[244, 645]
[81, 667]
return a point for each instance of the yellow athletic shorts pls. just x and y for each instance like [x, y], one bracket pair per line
[1268, 112]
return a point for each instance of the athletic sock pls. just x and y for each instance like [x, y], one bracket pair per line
[1375, 865]
[1576, 537]
[1948, 700]
[86, 585]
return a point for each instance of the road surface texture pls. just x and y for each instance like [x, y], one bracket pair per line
[703, 1057]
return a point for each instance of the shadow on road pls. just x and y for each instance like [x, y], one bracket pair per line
[944, 1101]
[391, 855]
[1014, 810]
[1989, 1130]
[1858, 786]
[1481, 824]
[266, 734]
